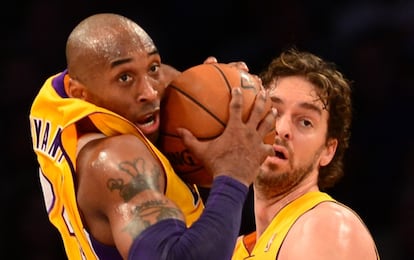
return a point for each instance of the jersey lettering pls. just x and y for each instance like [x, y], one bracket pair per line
[46, 142]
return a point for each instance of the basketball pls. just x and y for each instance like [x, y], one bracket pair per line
[198, 100]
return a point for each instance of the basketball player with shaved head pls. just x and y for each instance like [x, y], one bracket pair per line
[107, 189]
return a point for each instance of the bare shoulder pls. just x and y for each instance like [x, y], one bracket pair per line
[115, 161]
[115, 173]
[329, 231]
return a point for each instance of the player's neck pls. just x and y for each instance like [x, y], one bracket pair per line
[267, 208]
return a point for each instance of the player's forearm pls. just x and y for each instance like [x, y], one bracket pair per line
[212, 237]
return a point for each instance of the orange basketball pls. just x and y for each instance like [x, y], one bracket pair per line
[198, 100]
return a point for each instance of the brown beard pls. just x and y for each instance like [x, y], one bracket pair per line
[272, 185]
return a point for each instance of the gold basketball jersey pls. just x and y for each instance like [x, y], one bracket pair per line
[54, 138]
[269, 243]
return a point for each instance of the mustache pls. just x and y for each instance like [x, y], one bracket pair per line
[151, 106]
[281, 142]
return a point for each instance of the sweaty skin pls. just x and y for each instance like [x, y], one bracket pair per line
[295, 218]
[120, 178]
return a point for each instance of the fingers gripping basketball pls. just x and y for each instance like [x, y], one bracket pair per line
[198, 100]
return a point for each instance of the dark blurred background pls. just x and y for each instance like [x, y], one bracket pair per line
[372, 42]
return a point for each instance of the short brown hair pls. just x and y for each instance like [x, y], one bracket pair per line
[333, 89]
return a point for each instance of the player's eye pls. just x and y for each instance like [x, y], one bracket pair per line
[124, 78]
[154, 68]
[306, 123]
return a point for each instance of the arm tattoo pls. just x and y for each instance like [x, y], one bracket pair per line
[148, 213]
[142, 179]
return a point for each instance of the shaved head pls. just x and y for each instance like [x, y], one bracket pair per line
[101, 38]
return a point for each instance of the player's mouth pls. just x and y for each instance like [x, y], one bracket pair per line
[280, 152]
[149, 123]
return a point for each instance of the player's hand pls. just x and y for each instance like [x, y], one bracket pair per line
[167, 75]
[241, 65]
[239, 151]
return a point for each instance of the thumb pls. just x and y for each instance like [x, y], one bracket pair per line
[191, 142]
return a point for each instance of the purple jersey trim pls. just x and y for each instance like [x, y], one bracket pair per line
[105, 252]
[59, 85]
[213, 236]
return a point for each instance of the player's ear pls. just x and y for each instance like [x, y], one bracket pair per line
[329, 152]
[74, 89]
